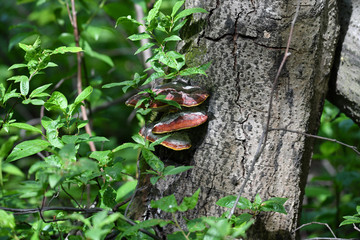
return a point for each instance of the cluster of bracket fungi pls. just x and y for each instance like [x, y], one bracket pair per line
[173, 121]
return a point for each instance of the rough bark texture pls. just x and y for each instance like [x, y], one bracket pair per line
[245, 41]
[345, 84]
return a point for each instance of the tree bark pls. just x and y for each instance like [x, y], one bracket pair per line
[245, 42]
[344, 89]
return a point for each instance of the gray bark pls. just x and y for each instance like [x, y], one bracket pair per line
[245, 41]
[345, 83]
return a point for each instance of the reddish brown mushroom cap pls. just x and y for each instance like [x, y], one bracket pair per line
[187, 96]
[179, 121]
[176, 141]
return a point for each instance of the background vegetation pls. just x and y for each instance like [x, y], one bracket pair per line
[109, 57]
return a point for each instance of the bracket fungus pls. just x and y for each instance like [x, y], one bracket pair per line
[176, 141]
[186, 96]
[179, 121]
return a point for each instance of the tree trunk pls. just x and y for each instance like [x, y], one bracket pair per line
[245, 42]
[345, 83]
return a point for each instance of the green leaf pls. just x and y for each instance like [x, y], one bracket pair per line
[138, 139]
[172, 38]
[57, 101]
[350, 220]
[83, 95]
[17, 65]
[102, 156]
[37, 102]
[24, 87]
[154, 11]
[153, 180]
[179, 26]
[161, 98]
[142, 225]
[189, 202]
[26, 127]
[168, 60]
[54, 180]
[27, 148]
[126, 145]
[158, 141]
[139, 36]
[172, 170]
[196, 225]
[7, 220]
[257, 200]
[20, 78]
[39, 90]
[68, 152]
[153, 77]
[274, 204]
[229, 201]
[78, 100]
[144, 47]
[153, 161]
[13, 170]
[188, 12]
[195, 70]
[64, 49]
[167, 204]
[126, 19]
[176, 7]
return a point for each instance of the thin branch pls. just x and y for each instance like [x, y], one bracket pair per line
[70, 196]
[326, 238]
[19, 211]
[73, 21]
[318, 137]
[356, 228]
[319, 223]
[118, 205]
[140, 18]
[137, 184]
[264, 135]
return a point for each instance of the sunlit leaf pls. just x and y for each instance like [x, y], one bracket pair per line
[27, 148]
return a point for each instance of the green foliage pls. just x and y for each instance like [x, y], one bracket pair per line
[333, 192]
[166, 62]
[355, 219]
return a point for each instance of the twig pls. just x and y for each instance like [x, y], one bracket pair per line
[137, 184]
[140, 18]
[264, 135]
[70, 196]
[319, 223]
[118, 205]
[326, 238]
[73, 20]
[141, 229]
[19, 211]
[318, 137]
[356, 228]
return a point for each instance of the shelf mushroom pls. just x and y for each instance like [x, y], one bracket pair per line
[179, 121]
[186, 96]
[176, 141]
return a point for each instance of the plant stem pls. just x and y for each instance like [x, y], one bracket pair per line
[178, 225]
[73, 20]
